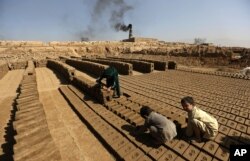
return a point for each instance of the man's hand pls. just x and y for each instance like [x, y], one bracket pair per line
[109, 89]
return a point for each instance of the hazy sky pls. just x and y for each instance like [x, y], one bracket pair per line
[223, 22]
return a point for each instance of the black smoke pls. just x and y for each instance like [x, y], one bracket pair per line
[114, 11]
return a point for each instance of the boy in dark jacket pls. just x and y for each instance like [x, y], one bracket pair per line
[112, 80]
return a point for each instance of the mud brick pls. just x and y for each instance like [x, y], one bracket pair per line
[224, 129]
[168, 156]
[135, 155]
[222, 114]
[220, 139]
[235, 111]
[119, 143]
[113, 138]
[27, 110]
[230, 141]
[118, 109]
[126, 149]
[203, 157]
[231, 124]
[27, 99]
[129, 114]
[247, 122]
[162, 110]
[248, 130]
[234, 133]
[222, 153]
[123, 112]
[146, 148]
[180, 159]
[171, 143]
[133, 117]
[217, 117]
[123, 102]
[230, 116]
[240, 119]
[198, 144]
[156, 153]
[102, 127]
[110, 104]
[129, 105]
[135, 107]
[181, 146]
[245, 138]
[211, 147]
[222, 120]
[107, 133]
[227, 109]
[214, 111]
[243, 114]
[241, 128]
[144, 158]
[115, 108]
[34, 93]
[191, 153]
[139, 121]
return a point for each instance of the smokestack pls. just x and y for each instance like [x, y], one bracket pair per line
[130, 35]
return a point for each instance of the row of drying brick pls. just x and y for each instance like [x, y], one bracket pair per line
[92, 68]
[172, 82]
[84, 84]
[229, 112]
[3, 70]
[171, 150]
[120, 146]
[218, 73]
[234, 130]
[158, 65]
[130, 148]
[122, 68]
[232, 121]
[159, 92]
[140, 66]
[92, 89]
[67, 71]
[33, 139]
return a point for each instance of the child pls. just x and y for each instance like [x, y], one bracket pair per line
[160, 128]
[203, 125]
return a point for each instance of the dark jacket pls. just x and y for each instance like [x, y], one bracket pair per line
[112, 79]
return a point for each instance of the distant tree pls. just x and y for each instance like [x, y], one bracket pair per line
[199, 41]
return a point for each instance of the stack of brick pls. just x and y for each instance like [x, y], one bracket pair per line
[18, 65]
[172, 65]
[67, 71]
[122, 68]
[33, 138]
[87, 66]
[158, 65]
[141, 66]
[30, 70]
[3, 70]
[92, 89]
[63, 58]
[41, 63]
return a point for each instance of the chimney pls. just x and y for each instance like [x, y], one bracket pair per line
[130, 34]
